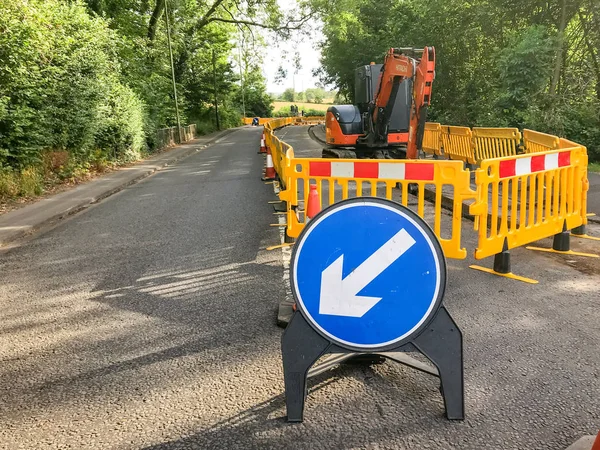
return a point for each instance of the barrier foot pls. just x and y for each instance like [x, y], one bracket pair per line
[510, 275]
[562, 245]
[585, 236]
[275, 247]
[591, 214]
[502, 267]
[580, 232]
[280, 225]
[561, 252]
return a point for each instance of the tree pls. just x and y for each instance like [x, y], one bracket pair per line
[289, 95]
[520, 63]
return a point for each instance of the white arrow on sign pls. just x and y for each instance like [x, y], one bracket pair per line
[339, 297]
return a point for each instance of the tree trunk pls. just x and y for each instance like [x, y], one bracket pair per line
[154, 18]
[559, 50]
[592, 51]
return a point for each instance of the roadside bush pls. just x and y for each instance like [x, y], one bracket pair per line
[9, 184]
[26, 183]
[229, 117]
[285, 111]
[60, 91]
[314, 112]
[120, 133]
[31, 182]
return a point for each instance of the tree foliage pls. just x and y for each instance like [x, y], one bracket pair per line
[60, 85]
[519, 63]
[92, 79]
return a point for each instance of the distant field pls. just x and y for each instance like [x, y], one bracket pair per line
[301, 105]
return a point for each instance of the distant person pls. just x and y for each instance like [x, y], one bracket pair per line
[302, 113]
[255, 122]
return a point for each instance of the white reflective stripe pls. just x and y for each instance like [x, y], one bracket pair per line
[551, 161]
[523, 166]
[262, 142]
[269, 161]
[342, 169]
[392, 171]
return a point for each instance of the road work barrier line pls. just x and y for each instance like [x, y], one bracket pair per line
[492, 143]
[526, 198]
[432, 139]
[336, 180]
[517, 200]
[536, 142]
[457, 143]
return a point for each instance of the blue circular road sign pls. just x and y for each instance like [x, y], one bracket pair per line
[368, 273]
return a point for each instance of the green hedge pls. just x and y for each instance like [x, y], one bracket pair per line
[60, 86]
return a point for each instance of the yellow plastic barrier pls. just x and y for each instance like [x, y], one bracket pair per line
[519, 199]
[458, 143]
[566, 144]
[299, 120]
[340, 179]
[261, 120]
[526, 198]
[536, 142]
[495, 142]
[432, 138]
[279, 149]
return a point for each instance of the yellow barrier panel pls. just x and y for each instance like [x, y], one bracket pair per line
[519, 199]
[261, 120]
[565, 144]
[337, 180]
[458, 143]
[299, 120]
[536, 142]
[495, 142]
[432, 138]
[526, 198]
[278, 149]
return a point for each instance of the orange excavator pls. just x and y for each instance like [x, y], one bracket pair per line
[389, 118]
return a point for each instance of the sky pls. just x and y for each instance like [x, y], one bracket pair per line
[279, 53]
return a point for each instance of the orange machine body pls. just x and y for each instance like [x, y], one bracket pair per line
[335, 136]
[368, 124]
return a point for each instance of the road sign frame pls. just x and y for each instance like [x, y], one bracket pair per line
[419, 223]
[438, 338]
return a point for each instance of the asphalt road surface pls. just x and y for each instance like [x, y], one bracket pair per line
[148, 321]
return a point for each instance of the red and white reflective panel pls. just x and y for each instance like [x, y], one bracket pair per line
[532, 164]
[376, 170]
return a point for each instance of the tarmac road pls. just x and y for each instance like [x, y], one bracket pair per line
[148, 321]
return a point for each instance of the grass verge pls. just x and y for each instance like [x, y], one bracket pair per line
[594, 167]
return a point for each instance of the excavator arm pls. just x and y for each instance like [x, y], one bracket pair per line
[396, 68]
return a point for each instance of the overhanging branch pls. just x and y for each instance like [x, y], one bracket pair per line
[290, 25]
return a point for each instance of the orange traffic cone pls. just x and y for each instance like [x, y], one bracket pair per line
[263, 147]
[596, 444]
[270, 171]
[313, 203]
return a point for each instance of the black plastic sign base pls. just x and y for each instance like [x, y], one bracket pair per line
[440, 341]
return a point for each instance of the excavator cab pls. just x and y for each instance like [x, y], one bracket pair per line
[378, 125]
[346, 123]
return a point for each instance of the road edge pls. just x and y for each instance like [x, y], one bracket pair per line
[15, 238]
